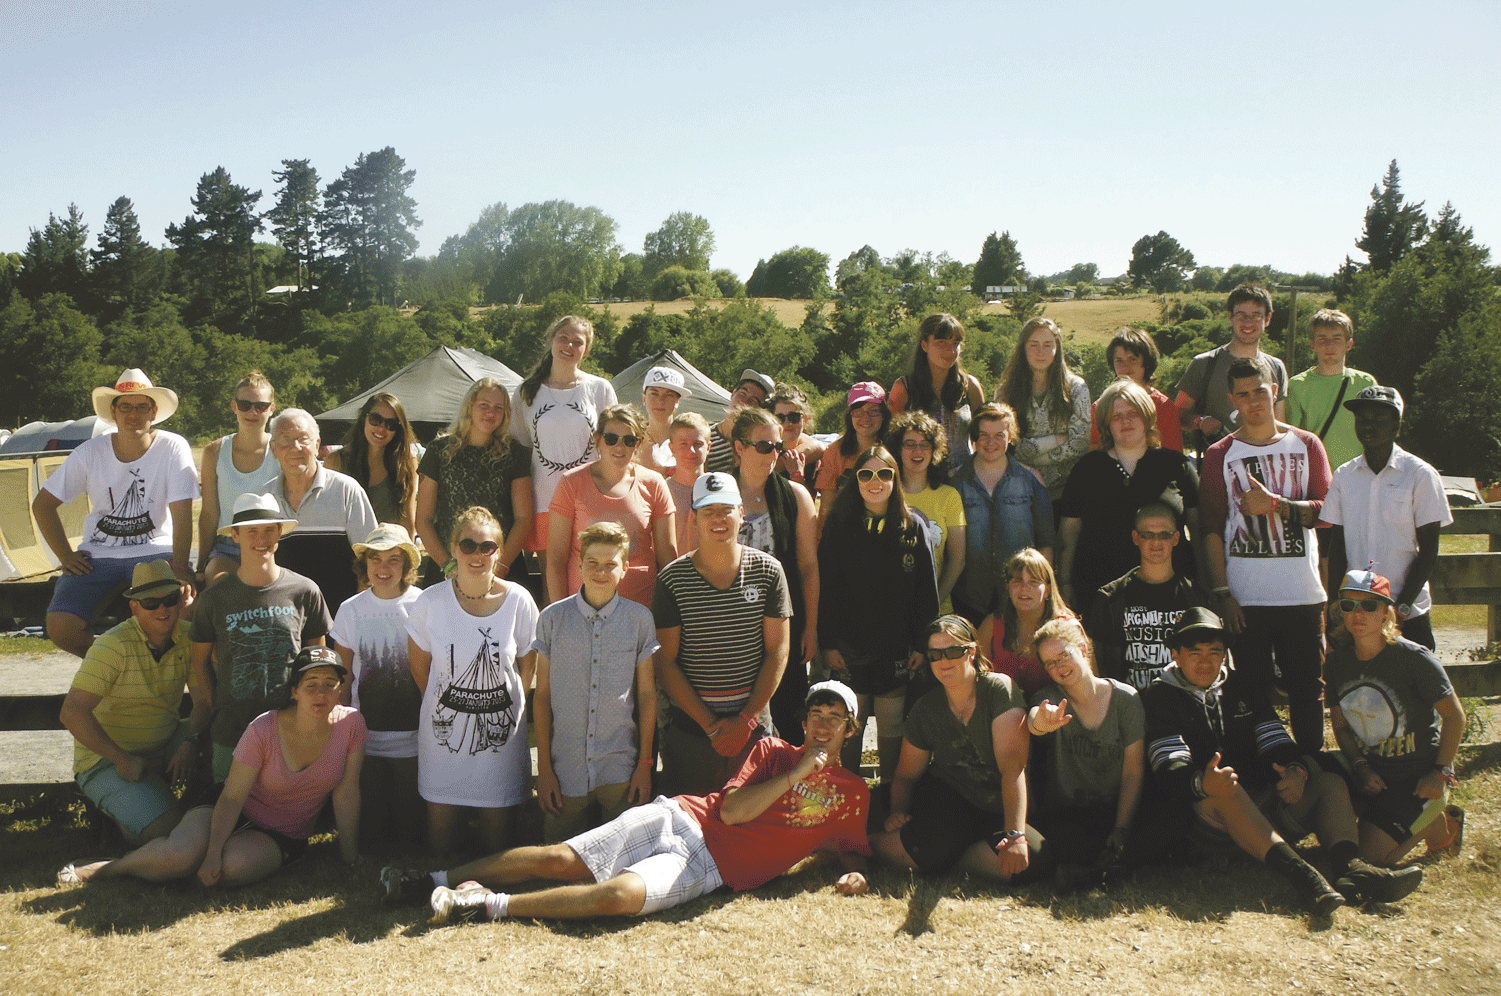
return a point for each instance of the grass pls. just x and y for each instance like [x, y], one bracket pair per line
[1221, 931]
[10, 645]
[1461, 616]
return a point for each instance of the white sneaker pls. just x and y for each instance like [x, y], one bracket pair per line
[68, 876]
[466, 903]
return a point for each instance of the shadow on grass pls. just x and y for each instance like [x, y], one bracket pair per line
[1474, 760]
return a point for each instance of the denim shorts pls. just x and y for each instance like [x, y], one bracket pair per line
[133, 805]
[80, 594]
[226, 548]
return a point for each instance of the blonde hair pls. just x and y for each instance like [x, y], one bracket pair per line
[1133, 394]
[258, 380]
[475, 517]
[500, 439]
[611, 533]
[1067, 631]
[543, 369]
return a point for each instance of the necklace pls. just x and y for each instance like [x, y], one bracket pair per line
[465, 594]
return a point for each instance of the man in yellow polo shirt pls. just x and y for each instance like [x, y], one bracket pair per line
[123, 710]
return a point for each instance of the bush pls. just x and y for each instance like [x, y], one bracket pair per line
[675, 283]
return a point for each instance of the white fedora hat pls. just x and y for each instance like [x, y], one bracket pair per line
[253, 509]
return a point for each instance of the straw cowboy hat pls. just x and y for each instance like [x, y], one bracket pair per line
[134, 381]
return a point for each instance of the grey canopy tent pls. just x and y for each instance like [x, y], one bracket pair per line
[430, 389]
[708, 399]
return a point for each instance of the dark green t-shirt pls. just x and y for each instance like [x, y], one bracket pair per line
[963, 757]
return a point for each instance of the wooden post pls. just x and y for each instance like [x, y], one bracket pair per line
[1290, 348]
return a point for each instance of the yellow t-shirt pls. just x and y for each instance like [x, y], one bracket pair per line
[945, 509]
[141, 696]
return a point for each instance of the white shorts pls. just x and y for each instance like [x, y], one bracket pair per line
[659, 842]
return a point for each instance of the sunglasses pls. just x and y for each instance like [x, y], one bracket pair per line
[1164, 537]
[952, 653]
[865, 475]
[468, 546]
[1366, 604]
[376, 421]
[152, 604]
[766, 448]
[260, 407]
[795, 418]
[611, 438]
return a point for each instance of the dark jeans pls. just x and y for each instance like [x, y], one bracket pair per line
[1292, 638]
[1419, 629]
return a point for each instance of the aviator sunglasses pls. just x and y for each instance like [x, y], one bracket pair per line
[468, 546]
[1366, 604]
[611, 438]
[865, 475]
[152, 604]
[376, 421]
[952, 653]
[260, 407]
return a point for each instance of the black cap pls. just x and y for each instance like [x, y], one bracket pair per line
[1195, 620]
[310, 657]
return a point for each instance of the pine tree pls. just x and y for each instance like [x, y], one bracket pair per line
[1392, 226]
[294, 216]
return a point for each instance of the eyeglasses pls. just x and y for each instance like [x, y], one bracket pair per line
[611, 438]
[766, 448]
[1366, 604]
[259, 407]
[866, 411]
[952, 653]
[795, 418]
[152, 604]
[918, 445]
[1163, 536]
[865, 475]
[376, 421]
[1057, 662]
[125, 408]
[468, 546]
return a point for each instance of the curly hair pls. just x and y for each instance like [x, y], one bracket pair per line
[928, 427]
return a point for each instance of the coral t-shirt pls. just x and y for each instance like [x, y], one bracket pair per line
[826, 811]
[288, 801]
[579, 500]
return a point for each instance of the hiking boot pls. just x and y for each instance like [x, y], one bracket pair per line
[1364, 882]
[1316, 895]
[404, 886]
[1454, 821]
[466, 903]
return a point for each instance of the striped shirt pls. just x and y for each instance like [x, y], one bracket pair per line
[722, 644]
[140, 695]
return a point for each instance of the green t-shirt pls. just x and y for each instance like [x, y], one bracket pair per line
[1310, 398]
[963, 757]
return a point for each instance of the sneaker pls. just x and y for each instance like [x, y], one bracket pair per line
[404, 886]
[466, 903]
[1364, 882]
[1454, 821]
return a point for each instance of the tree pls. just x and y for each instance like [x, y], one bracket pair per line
[368, 219]
[797, 273]
[1206, 278]
[729, 283]
[294, 216]
[49, 359]
[862, 260]
[675, 283]
[1392, 226]
[999, 265]
[1158, 261]
[56, 259]
[1079, 273]
[216, 242]
[632, 283]
[124, 261]
[683, 240]
[555, 246]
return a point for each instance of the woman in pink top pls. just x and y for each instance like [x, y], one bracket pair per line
[613, 488]
[1031, 599]
[286, 765]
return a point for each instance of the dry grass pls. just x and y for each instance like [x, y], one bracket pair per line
[1096, 321]
[1461, 616]
[789, 312]
[1224, 932]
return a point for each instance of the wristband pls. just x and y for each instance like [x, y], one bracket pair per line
[1223, 589]
[1360, 764]
[1447, 774]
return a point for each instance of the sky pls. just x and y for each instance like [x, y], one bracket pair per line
[1252, 135]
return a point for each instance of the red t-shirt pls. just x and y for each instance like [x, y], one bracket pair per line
[825, 812]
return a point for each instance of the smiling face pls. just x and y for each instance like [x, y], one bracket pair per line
[875, 492]
[570, 344]
[1029, 593]
[260, 538]
[718, 524]
[791, 431]
[159, 622]
[478, 564]
[603, 566]
[488, 412]
[1066, 664]
[661, 403]
[133, 412]
[385, 569]
[942, 353]
[917, 453]
[748, 393]
[866, 418]
[295, 445]
[378, 434]
[955, 673]
[1042, 349]
[991, 440]
[617, 456]
[826, 726]
[1248, 320]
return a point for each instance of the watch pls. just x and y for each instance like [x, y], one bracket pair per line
[1405, 610]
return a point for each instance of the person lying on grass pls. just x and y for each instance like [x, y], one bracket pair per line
[285, 767]
[1215, 743]
[783, 805]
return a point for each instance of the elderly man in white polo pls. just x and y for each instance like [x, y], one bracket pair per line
[141, 484]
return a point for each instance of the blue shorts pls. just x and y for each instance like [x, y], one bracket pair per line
[80, 594]
[226, 548]
[134, 805]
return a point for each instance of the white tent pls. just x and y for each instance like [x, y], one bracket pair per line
[430, 389]
[708, 399]
[41, 437]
